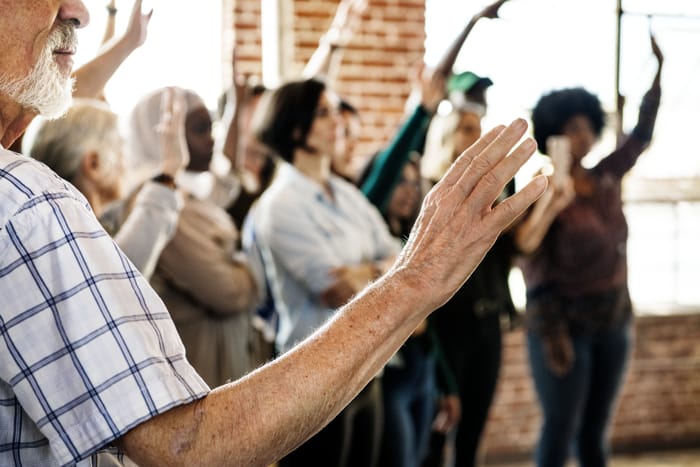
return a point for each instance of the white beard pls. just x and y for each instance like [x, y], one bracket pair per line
[44, 90]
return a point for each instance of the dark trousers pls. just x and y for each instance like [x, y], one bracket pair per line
[477, 374]
[577, 407]
[351, 439]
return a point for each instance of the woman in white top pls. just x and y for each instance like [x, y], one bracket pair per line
[321, 242]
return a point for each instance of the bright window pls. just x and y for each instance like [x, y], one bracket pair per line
[540, 45]
[183, 48]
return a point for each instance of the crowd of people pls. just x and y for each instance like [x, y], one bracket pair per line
[347, 309]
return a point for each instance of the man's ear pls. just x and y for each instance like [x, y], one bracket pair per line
[91, 166]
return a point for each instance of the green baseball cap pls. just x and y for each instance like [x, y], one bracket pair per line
[467, 81]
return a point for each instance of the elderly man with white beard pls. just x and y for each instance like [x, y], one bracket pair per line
[91, 368]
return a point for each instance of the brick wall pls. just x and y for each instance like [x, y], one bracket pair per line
[376, 66]
[660, 403]
[248, 38]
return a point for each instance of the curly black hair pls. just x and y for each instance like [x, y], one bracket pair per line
[556, 108]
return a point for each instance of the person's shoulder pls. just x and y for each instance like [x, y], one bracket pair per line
[343, 185]
[23, 179]
[286, 192]
[349, 191]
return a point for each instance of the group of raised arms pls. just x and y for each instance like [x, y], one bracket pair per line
[308, 305]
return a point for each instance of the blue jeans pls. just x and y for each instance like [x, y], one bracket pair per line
[577, 407]
[409, 406]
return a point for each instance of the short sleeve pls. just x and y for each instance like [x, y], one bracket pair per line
[88, 348]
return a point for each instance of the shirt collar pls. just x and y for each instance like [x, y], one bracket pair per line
[304, 185]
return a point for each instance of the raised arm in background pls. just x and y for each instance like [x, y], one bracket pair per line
[325, 61]
[387, 166]
[111, 21]
[91, 78]
[531, 231]
[447, 61]
[236, 95]
[153, 219]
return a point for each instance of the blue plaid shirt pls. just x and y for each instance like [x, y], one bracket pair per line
[87, 349]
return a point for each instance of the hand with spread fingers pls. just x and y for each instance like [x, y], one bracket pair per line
[458, 222]
[137, 28]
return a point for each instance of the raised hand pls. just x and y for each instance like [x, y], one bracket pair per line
[432, 88]
[491, 11]
[458, 222]
[239, 81]
[171, 131]
[137, 28]
[346, 18]
[656, 50]
[448, 59]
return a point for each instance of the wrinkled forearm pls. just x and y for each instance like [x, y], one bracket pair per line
[263, 416]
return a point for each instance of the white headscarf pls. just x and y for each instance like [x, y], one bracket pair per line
[144, 157]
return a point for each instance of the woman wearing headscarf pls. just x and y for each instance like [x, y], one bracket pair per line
[202, 278]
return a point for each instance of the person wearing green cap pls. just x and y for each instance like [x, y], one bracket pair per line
[468, 87]
[469, 325]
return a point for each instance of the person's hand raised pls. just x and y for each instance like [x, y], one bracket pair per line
[656, 50]
[432, 88]
[171, 131]
[491, 11]
[458, 222]
[347, 17]
[137, 28]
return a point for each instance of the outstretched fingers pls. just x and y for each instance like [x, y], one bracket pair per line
[460, 165]
[480, 171]
[491, 183]
[511, 208]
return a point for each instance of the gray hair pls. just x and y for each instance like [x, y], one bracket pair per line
[89, 125]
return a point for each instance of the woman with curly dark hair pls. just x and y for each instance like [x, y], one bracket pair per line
[579, 313]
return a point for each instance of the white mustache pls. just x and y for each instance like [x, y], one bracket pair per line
[63, 37]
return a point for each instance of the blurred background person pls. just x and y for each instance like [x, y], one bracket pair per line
[201, 276]
[86, 148]
[321, 242]
[579, 312]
